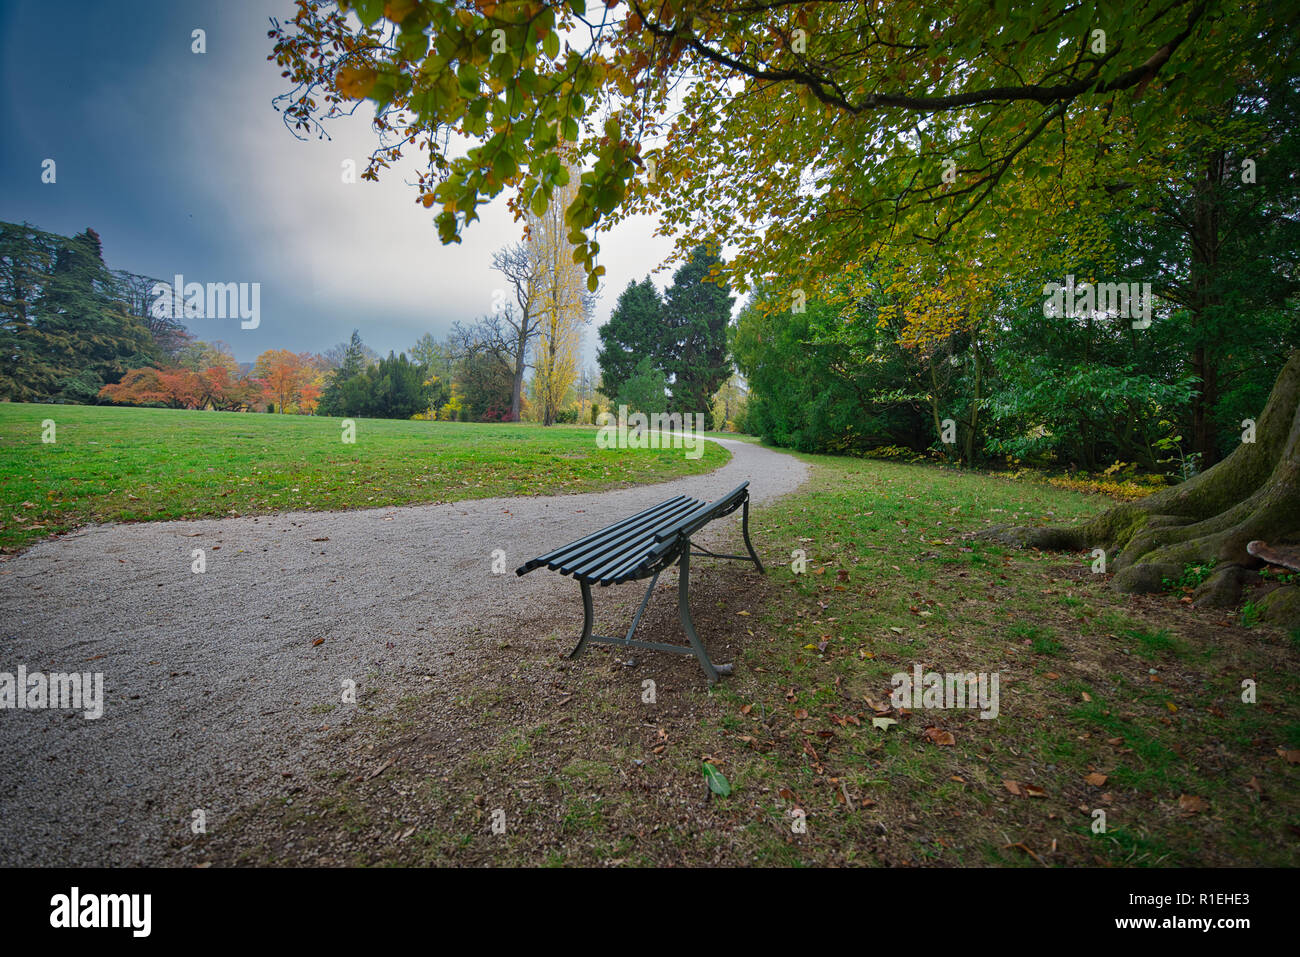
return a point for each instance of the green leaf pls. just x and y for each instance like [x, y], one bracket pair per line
[717, 783]
[369, 10]
[504, 166]
[551, 44]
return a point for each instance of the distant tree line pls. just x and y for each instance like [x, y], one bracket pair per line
[72, 330]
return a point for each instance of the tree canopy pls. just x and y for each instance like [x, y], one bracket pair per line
[808, 134]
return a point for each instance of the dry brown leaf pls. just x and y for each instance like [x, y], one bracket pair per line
[939, 736]
[1193, 803]
[1096, 779]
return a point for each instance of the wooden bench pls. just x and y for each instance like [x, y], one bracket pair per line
[643, 546]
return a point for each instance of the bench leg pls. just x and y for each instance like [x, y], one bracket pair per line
[588, 619]
[641, 611]
[744, 527]
[684, 610]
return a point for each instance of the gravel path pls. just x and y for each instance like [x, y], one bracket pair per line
[216, 684]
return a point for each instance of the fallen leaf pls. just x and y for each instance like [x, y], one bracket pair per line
[718, 784]
[1192, 803]
[939, 736]
[1096, 779]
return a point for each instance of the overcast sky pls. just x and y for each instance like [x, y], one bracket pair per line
[181, 165]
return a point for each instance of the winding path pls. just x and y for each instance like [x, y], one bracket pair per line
[216, 683]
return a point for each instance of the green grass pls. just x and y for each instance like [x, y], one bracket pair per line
[1151, 644]
[902, 581]
[131, 465]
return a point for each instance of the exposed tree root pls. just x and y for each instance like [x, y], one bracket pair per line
[1253, 494]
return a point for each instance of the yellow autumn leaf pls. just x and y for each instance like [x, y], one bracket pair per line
[354, 82]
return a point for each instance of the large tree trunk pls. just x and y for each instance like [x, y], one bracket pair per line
[1252, 494]
[521, 363]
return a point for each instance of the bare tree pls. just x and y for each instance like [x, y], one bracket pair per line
[515, 331]
[136, 293]
[520, 267]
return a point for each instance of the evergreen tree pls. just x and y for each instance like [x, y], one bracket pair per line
[646, 390]
[343, 393]
[69, 336]
[394, 389]
[697, 312]
[634, 332]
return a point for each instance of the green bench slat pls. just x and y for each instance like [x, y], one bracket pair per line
[639, 544]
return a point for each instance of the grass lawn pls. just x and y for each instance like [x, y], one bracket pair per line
[131, 465]
[1127, 705]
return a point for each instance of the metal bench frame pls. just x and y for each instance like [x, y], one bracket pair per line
[645, 545]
